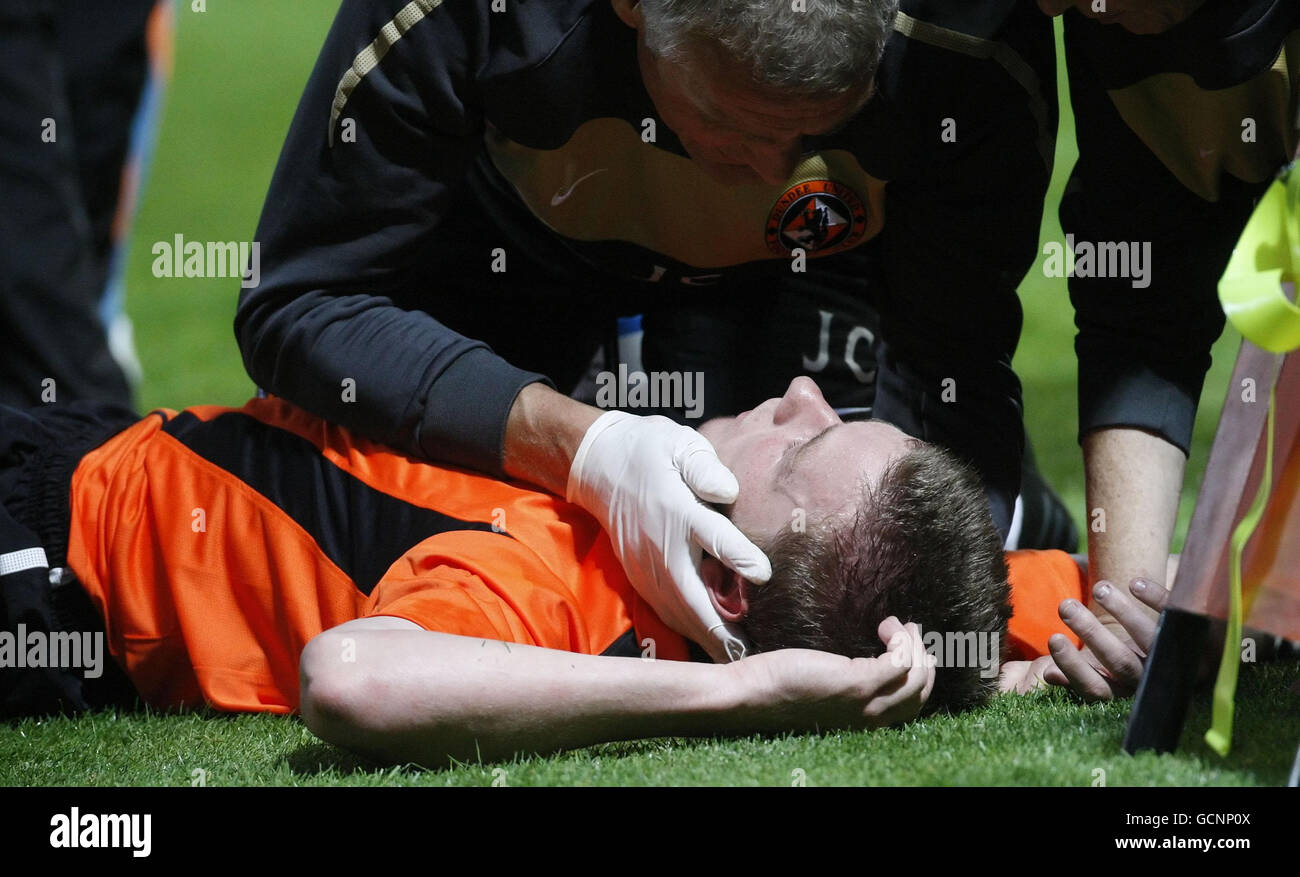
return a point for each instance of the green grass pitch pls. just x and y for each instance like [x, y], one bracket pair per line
[236, 83]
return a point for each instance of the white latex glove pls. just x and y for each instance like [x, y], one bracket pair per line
[644, 478]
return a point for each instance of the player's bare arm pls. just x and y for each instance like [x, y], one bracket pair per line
[392, 691]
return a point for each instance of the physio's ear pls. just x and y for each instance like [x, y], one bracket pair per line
[728, 590]
[629, 11]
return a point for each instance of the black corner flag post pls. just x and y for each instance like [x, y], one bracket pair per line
[1160, 706]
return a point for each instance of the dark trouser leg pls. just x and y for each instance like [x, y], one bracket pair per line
[50, 278]
[116, 57]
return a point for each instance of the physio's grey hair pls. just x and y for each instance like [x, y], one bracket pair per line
[804, 47]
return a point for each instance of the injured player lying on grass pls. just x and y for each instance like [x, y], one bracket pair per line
[260, 559]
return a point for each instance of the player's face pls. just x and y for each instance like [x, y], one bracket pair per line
[735, 132]
[796, 460]
[1135, 16]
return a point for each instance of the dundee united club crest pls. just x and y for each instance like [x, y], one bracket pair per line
[817, 216]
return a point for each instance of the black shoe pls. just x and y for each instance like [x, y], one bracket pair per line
[1041, 519]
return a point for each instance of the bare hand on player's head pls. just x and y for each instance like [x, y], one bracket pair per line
[808, 690]
[1110, 662]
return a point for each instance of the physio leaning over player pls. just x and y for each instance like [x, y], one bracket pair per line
[450, 234]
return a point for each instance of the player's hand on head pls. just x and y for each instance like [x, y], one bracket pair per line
[1109, 664]
[904, 644]
[647, 479]
[809, 690]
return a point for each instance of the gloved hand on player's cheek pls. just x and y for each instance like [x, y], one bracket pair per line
[647, 479]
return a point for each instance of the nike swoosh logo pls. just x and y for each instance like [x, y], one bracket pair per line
[563, 195]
